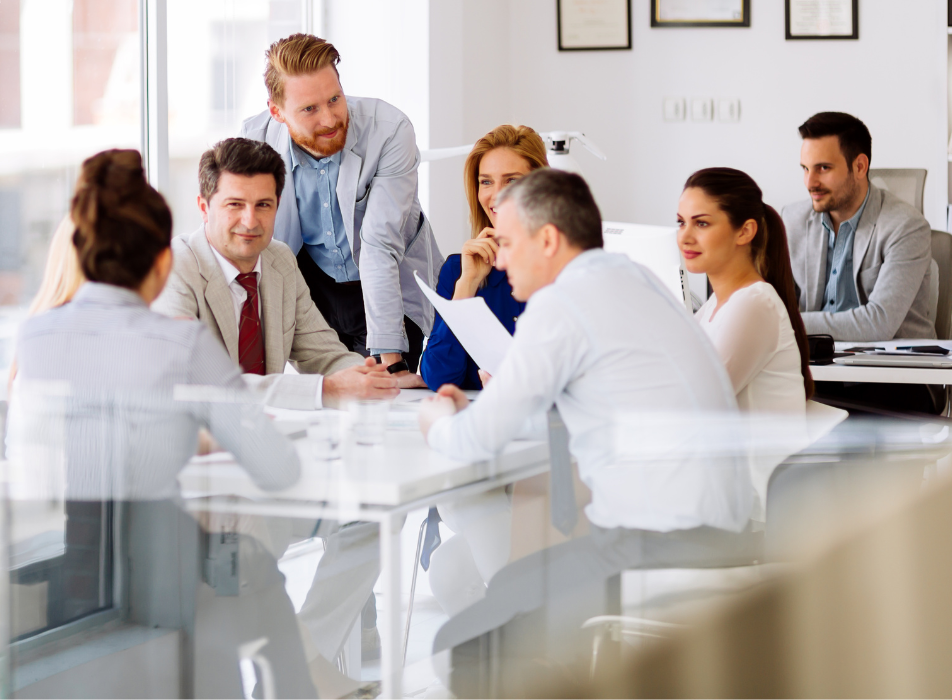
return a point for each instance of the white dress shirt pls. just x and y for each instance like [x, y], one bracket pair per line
[264, 387]
[753, 335]
[612, 348]
[238, 293]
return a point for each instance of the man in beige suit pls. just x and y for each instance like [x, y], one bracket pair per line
[248, 290]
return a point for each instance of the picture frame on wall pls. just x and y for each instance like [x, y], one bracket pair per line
[700, 13]
[594, 25]
[821, 19]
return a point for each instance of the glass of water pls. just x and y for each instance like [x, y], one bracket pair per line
[369, 421]
[323, 432]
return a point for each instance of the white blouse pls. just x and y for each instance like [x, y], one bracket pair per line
[753, 335]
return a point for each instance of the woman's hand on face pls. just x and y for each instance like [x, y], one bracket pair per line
[478, 257]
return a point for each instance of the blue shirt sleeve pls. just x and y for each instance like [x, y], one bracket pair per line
[445, 361]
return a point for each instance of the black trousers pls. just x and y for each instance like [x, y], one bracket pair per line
[342, 306]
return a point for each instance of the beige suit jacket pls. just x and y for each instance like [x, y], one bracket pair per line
[294, 330]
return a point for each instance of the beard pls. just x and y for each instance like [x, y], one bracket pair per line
[837, 201]
[319, 146]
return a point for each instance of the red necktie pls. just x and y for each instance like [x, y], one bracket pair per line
[250, 337]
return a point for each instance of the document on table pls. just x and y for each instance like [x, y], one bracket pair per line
[474, 325]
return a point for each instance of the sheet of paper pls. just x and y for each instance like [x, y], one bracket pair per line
[474, 325]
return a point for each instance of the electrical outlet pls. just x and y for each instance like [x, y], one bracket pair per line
[728, 110]
[702, 109]
[674, 110]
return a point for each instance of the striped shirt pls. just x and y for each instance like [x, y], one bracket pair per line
[110, 396]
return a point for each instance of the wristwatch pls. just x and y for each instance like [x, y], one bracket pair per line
[396, 367]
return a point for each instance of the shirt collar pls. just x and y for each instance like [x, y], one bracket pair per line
[853, 221]
[301, 157]
[230, 271]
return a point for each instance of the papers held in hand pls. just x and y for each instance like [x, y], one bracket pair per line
[474, 325]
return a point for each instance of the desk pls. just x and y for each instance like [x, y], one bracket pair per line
[883, 375]
[378, 484]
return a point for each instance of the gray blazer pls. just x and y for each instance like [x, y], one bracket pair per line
[892, 250]
[377, 193]
[294, 330]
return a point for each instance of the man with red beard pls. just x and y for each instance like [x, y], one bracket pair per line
[350, 209]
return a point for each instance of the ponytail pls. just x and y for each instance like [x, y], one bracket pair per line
[775, 269]
[742, 200]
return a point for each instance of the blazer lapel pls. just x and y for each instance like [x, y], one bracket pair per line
[817, 243]
[347, 179]
[287, 223]
[217, 295]
[272, 297]
[865, 230]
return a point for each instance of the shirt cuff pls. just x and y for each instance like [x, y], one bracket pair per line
[319, 399]
[378, 351]
[439, 435]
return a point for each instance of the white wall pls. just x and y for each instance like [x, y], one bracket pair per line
[893, 78]
[470, 93]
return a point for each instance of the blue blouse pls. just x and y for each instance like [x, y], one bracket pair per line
[445, 361]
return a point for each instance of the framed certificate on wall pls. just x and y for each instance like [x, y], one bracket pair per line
[700, 13]
[822, 19]
[594, 25]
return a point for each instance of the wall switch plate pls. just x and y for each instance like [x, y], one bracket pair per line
[674, 109]
[702, 109]
[728, 110]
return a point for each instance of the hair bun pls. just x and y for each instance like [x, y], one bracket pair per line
[121, 222]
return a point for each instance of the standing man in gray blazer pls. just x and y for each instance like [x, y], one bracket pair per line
[350, 211]
[861, 256]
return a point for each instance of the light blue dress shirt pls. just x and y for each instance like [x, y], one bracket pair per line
[322, 226]
[840, 291]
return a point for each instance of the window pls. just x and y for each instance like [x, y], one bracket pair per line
[216, 65]
[70, 80]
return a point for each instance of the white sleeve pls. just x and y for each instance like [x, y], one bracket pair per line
[748, 329]
[545, 352]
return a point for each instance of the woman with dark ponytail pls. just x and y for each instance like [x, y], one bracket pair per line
[753, 318]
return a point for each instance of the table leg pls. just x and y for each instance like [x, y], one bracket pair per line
[391, 667]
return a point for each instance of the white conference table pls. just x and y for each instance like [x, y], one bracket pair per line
[884, 375]
[378, 484]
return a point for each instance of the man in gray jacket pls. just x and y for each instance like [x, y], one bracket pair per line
[350, 209]
[860, 255]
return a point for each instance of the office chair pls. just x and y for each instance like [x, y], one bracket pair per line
[942, 256]
[614, 628]
[906, 183]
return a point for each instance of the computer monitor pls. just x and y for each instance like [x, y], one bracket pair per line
[655, 247]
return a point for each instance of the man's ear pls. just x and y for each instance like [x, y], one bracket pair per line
[203, 207]
[861, 165]
[275, 110]
[552, 240]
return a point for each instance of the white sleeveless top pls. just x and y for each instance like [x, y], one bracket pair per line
[753, 336]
